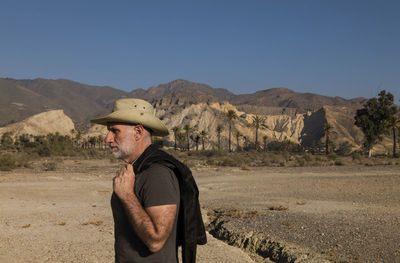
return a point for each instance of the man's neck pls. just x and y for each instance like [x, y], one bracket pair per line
[136, 154]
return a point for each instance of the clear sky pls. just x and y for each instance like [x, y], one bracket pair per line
[347, 48]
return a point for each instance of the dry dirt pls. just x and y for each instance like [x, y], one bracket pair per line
[343, 214]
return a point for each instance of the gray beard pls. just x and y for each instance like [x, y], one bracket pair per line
[124, 150]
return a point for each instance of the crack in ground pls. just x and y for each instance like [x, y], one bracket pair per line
[262, 246]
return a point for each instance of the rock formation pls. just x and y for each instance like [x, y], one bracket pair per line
[41, 124]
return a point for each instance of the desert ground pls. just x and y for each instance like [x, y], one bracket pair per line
[312, 214]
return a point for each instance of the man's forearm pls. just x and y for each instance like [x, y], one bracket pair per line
[153, 225]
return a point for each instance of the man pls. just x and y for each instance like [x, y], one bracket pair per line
[155, 199]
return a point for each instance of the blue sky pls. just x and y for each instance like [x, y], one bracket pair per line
[347, 48]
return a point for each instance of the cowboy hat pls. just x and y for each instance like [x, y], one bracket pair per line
[134, 111]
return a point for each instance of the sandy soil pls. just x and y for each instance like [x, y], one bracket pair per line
[346, 214]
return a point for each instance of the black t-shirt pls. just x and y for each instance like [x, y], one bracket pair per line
[155, 186]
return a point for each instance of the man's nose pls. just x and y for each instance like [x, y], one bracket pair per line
[109, 138]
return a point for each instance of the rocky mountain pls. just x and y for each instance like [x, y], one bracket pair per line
[41, 124]
[261, 102]
[207, 116]
[23, 98]
[183, 91]
[286, 98]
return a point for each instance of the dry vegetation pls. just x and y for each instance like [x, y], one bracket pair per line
[247, 159]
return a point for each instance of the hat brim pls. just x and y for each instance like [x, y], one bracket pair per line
[146, 119]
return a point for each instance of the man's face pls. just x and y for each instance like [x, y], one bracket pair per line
[120, 139]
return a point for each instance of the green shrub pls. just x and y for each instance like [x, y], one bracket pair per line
[210, 161]
[8, 162]
[307, 157]
[301, 162]
[318, 158]
[332, 156]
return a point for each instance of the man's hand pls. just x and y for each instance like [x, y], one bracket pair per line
[124, 182]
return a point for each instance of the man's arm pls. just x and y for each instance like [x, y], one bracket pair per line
[153, 224]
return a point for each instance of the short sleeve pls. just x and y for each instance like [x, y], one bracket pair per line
[160, 186]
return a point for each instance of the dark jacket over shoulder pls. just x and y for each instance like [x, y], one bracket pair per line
[191, 231]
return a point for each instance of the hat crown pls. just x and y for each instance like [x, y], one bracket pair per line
[133, 104]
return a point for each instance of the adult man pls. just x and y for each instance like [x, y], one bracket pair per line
[155, 199]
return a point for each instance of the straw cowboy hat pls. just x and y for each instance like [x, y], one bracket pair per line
[134, 111]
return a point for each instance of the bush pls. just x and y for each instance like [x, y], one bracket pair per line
[339, 162]
[301, 162]
[8, 162]
[332, 156]
[344, 148]
[49, 166]
[356, 156]
[228, 162]
[285, 146]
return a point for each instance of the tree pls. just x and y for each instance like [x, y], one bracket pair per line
[257, 124]
[394, 125]
[328, 130]
[175, 131]
[231, 114]
[238, 135]
[7, 140]
[374, 117]
[73, 136]
[187, 129]
[100, 140]
[265, 142]
[219, 130]
[78, 137]
[197, 140]
[92, 141]
[180, 137]
[203, 135]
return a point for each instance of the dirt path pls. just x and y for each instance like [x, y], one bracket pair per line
[346, 213]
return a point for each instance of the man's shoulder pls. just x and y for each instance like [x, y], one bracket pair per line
[159, 167]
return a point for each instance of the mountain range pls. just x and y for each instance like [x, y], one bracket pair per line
[288, 115]
[23, 98]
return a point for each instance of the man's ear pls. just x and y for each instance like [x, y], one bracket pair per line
[139, 131]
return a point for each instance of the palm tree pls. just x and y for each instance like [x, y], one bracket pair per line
[393, 125]
[180, 137]
[238, 135]
[203, 135]
[257, 124]
[100, 140]
[231, 114]
[92, 142]
[78, 137]
[176, 131]
[187, 129]
[72, 136]
[197, 140]
[265, 142]
[328, 129]
[219, 130]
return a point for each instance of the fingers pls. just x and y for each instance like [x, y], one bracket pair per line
[124, 171]
[129, 167]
